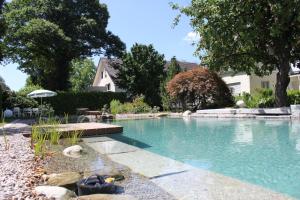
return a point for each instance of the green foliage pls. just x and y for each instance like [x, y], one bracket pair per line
[74, 137]
[249, 36]
[16, 100]
[38, 140]
[294, 96]
[82, 74]
[28, 88]
[2, 30]
[67, 102]
[116, 107]
[261, 99]
[266, 99]
[46, 35]
[138, 105]
[141, 72]
[172, 70]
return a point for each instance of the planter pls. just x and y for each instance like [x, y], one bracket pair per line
[295, 110]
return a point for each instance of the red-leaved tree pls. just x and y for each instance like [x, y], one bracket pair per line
[199, 88]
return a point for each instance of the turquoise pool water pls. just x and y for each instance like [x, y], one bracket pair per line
[265, 153]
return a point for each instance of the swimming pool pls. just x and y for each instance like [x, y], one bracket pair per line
[261, 152]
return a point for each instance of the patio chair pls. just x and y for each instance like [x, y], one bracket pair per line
[16, 112]
[35, 112]
[27, 112]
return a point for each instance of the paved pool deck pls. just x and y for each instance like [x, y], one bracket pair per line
[88, 129]
[182, 181]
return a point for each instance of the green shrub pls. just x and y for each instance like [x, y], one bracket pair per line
[294, 97]
[28, 88]
[138, 105]
[16, 100]
[116, 107]
[67, 102]
[261, 99]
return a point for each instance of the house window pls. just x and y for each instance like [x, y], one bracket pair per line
[108, 87]
[265, 84]
[102, 74]
[105, 74]
[235, 88]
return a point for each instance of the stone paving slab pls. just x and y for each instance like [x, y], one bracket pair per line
[149, 164]
[97, 139]
[200, 184]
[112, 147]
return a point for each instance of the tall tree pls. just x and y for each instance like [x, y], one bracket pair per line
[82, 75]
[172, 69]
[254, 36]
[141, 72]
[46, 35]
[2, 29]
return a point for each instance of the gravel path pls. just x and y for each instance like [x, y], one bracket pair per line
[17, 171]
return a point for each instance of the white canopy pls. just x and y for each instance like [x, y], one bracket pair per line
[41, 94]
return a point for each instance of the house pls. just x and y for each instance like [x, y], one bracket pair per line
[238, 83]
[106, 75]
[241, 82]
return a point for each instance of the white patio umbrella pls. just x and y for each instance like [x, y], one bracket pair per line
[41, 94]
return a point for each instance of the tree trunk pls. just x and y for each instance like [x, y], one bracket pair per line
[282, 83]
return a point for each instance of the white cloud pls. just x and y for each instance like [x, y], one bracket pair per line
[192, 37]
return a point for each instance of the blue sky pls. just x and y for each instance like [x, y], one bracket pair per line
[141, 21]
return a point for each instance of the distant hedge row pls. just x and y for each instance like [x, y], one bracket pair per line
[67, 102]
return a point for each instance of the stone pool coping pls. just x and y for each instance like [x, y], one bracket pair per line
[87, 129]
[178, 179]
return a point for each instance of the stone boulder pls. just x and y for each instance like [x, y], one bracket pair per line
[65, 179]
[106, 170]
[73, 151]
[106, 197]
[54, 192]
[240, 104]
[187, 113]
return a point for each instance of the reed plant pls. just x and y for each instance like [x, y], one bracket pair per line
[40, 148]
[66, 118]
[74, 137]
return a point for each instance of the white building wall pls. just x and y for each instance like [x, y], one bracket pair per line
[243, 80]
[106, 80]
[256, 82]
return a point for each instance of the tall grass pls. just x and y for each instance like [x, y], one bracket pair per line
[38, 141]
[66, 118]
[74, 137]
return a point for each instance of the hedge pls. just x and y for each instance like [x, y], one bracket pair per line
[67, 102]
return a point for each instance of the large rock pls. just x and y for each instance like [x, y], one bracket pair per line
[240, 104]
[55, 192]
[187, 113]
[106, 170]
[66, 179]
[73, 151]
[106, 197]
